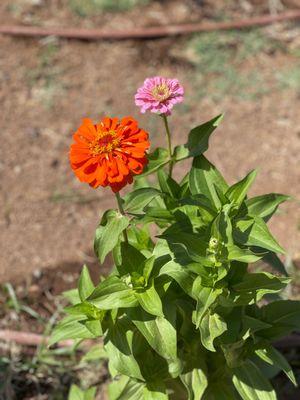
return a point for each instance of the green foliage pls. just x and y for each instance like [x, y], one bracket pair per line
[180, 312]
[77, 394]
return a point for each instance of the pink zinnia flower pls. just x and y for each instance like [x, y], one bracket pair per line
[159, 95]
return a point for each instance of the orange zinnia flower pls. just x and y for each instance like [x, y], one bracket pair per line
[109, 153]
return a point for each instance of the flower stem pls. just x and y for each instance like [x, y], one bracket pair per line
[121, 209]
[166, 123]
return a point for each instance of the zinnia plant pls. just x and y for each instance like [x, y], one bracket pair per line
[181, 314]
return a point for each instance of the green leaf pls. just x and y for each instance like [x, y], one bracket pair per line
[253, 325]
[211, 327]
[205, 296]
[237, 192]
[120, 343]
[204, 178]
[274, 261]
[282, 313]
[167, 184]
[107, 234]
[72, 296]
[125, 389]
[136, 201]
[265, 206]
[251, 384]
[158, 215]
[140, 237]
[192, 245]
[148, 268]
[85, 309]
[156, 160]
[159, 332]
[155, 391]
[221, 227]
[202, 202]
[112, 293]
[94, 326]
[132, 260]
[150, 301]
[254, 232]
[77, 394]
[220, 390]
[195, 382]
[85, 284]
[243, 255]
[70, 329]
[198, 139]
[181, 275]
[271, 356]
[261, 284]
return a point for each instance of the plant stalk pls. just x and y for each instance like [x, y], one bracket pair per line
[166, 123]
[121, 209]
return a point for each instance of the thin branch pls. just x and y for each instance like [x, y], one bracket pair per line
[147, 33]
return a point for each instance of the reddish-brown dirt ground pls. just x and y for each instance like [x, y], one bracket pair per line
[47, 217]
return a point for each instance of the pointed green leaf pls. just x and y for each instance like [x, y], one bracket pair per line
[202, 202]
[72, 296]
[221, 390]
[274, 261]
[253, 325]
[191, 244]
[167, 184]
[205, 296]
[237, 192]
[199, 136]
[159, 332]
[264, 206]
[221, 227]
[140, 237]
[155, 391]
[198, 139]
[195, 382]
[108, 232]
[261, 284]
[254, 232]
[204, 178]
[211, 327]
[150, 301]
[85, 284]
[282, 312]
[251, 384]
[133, 260]
[181, 275]
[243, 255]
[85, 310]
[271, 356]
[136, 201]
[125, 389]
[120, 344]
[71, 329]
[77, 394]
[112, 293]
[148, 267]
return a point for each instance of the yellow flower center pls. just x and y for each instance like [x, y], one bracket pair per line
[161, 92]
[105, 142]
